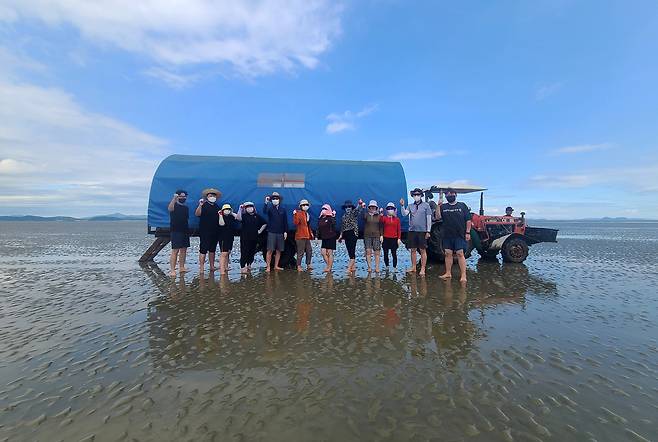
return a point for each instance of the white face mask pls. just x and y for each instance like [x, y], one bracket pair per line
[391, 212]
[212, 199]
[275, 202]
[250, 210]
[304, 207]
[226, 212]
[417, 198]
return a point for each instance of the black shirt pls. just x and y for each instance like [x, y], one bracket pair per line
[327, 227]
[250, 225]
[454, 218]
[178, 218]
[209, 219]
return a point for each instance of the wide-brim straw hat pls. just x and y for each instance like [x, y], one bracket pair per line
[205, 192]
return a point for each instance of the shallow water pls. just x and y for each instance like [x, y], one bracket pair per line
[95, 347]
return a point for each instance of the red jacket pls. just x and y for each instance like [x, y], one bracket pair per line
[392, 227]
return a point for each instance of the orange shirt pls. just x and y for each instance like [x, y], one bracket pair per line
[303, 229]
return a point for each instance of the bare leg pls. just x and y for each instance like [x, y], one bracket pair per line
[202, 262]
[423, 261]
[182, 255]
[172, 262]
[330, 264]
[368, 259]
[377, 256]
[461, 259]
[412, 269]
[211, 261]
[268, 260]
[277, 258]
[351, 265]
[448, 261]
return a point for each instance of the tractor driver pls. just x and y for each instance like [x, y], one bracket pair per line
[456, 231]
[508, 212]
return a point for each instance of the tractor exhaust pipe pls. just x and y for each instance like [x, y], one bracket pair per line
[481, 203]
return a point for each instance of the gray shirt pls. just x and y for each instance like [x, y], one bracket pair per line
[420, 217]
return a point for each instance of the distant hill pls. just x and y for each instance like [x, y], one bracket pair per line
[605, 219]
[110, 217]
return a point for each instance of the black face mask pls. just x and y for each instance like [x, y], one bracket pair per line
[182, 200]
[451, 198]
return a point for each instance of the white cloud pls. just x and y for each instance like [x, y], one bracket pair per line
[547, 90]
[172, 79]
[83, 162]
[635, 178]
[581, 148]
[252, 37]
[418, 155]
[347, 120]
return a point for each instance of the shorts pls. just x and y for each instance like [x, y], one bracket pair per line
[454, 244]
[372, 243]
[275, 241]
[328, 244]
[226, 243]
[179, 240]
[208, 243]
[416, 240]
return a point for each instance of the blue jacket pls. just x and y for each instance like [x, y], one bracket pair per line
[277, 219]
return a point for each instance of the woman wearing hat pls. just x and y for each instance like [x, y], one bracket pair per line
[372, 233]
[303, 235]
[208, 213]
[327, 233]
[392, 234]
[227, 228]
[349, 230]
[252, 226]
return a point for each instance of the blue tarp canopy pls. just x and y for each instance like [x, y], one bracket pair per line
[243, 179]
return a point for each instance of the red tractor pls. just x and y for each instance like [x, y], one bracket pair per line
[490, 235]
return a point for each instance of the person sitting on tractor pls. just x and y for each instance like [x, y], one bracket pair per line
[455, 230]
[508, 212]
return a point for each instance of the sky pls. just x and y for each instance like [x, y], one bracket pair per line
[551, 105]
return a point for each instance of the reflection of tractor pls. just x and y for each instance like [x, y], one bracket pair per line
[491, 234]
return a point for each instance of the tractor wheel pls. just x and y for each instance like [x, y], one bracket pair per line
[515, 250]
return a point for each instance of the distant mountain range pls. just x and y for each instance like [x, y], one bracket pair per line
[110, 217]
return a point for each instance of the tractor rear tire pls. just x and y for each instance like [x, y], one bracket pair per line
[515, 250]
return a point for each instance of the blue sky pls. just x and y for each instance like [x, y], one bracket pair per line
[551, 105]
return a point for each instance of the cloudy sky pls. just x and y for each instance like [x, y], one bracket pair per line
[552, 105]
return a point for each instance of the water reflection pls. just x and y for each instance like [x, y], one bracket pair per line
[296, 319]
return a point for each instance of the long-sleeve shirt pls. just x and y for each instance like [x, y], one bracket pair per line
[277, 219]
[392, 227]
[420, 216]
[350, 221]
[301, 219]
[373, 228]
[251, 224]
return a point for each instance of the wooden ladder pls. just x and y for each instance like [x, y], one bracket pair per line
[159, 244]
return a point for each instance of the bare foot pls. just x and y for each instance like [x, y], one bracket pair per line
[446, 276]
[267, 269]
[278, 268]
[369, 270]
[326, 270]
[212, 269]
[244, 270]
[421, 273]
[411, 270]
[462, 279]
[300, 269]
[183, 270]
[309, 267]
[376, 270]
[172, 273]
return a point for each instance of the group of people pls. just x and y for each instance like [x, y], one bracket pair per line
[382, 231]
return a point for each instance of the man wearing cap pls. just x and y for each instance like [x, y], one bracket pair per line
[420, 224]
[372, 233]
[178, 231]
[208, 213]
[303, 235]
[455, 231]
[252, 226]
[277, 229]
[227, 227]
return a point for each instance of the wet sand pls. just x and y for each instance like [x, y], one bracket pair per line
[95, 347]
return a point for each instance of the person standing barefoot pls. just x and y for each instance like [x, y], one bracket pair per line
[456, 231]
[178, 230]
[327, 233]
[420, 224]
[349, 230]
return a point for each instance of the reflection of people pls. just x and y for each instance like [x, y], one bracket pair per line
[508, 212]
[349, 231]
[372, 233]
[178, 231]
[303, 235]
[277, 229]
[252, 226]
[420, 223]
[392, 235]
[208, 213]
[456, 232]
[327, 233]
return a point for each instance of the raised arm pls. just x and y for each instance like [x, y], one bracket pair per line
[403, 210]
[222, 222]
[172, 203]
[197, 211]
